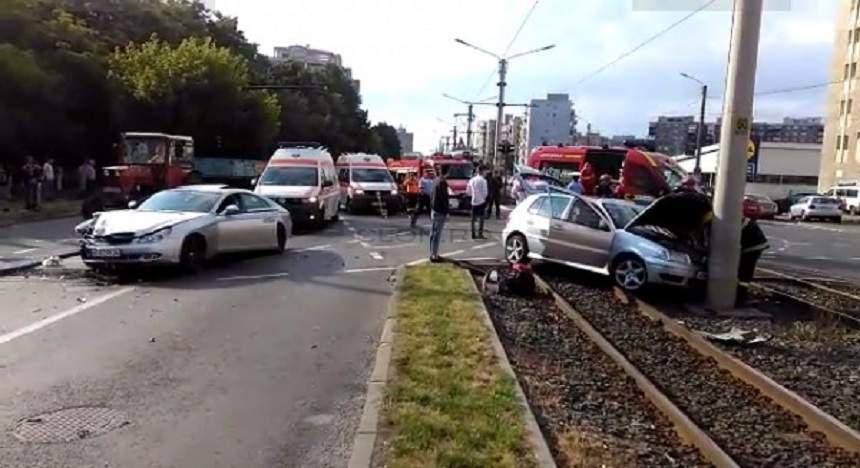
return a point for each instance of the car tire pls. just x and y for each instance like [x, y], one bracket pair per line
[629, 272]
[516, 249]
[282, 239]
[193, 253]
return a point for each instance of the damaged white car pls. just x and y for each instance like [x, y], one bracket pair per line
[184, 226]
[659, 244]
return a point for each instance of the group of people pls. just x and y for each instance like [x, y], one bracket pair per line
[430, 193]
[43, 181]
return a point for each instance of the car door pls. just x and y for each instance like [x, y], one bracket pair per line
[229, 226]
[536, 226]
[582, 236]
[797, 208]
[261, 223]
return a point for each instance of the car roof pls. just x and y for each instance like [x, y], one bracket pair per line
[213, 188]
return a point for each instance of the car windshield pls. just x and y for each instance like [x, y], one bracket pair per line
[181, 200]
[622, 213]
[371, 175]
[298, 176]
[825, 201]
[459, 171]
[673, 176]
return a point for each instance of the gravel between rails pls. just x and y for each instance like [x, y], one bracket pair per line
[752, 429]
[820, 364]
[593, 414]
[815, 296]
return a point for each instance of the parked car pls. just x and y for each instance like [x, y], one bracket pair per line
[759, 207]
[849, 197]
[527, 181]
[184, 226]
[783, 205]
[809, 208]
[633, 244]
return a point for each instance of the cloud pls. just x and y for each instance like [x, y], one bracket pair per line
[404, 53]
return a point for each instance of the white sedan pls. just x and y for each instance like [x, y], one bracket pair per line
[185, 226]
[816, 207]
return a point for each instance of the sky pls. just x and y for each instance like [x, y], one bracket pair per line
[404, 53]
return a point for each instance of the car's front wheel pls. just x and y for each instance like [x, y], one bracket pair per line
[282, 238]
[516, 249]
[629, 273]
[193, 253]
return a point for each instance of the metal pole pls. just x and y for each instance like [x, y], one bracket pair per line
[455, 135]
[699, 134]
[469, 119]
[503, 71]
[731, 174]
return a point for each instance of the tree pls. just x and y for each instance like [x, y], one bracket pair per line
[195, 88]
[389, 144]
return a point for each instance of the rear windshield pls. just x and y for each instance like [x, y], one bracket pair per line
[759, 198]
[297, 176]
[622, 213]
[371, 175]
[825, 201]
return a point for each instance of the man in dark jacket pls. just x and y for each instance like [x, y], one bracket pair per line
[753, 244]
[494, 193]
[438, 212]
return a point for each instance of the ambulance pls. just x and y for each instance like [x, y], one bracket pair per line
[304, 181]
[366, 183]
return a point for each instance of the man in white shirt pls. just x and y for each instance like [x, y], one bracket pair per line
[48, 179]
[477, 189]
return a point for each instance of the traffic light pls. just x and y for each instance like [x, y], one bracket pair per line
[506, 147]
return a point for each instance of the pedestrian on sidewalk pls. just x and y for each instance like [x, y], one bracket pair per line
[86, 177]
[477, 190]
[48, 182]
[439, 207]
[32, 174]
[494, 194]
[425, 192]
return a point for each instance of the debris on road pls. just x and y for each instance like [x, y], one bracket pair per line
[736, 336]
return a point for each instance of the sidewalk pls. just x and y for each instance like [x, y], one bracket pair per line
[24, 245]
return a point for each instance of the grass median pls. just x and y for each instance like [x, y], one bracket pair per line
[448, 403]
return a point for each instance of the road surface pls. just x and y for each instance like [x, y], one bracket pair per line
[256, 361]
[831, 249]
[23, 243]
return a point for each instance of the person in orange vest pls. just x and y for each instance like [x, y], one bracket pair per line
[410, 188]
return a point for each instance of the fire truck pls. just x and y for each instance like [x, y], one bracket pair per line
[459, 171]
[638, 173]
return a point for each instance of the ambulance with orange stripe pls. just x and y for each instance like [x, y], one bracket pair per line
[366, 183]
[304, 181]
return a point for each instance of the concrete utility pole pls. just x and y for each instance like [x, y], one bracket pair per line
[500, 111]
[470, 115]
[731, 174]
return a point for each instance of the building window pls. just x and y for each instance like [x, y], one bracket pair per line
[845, 75]
[845, 142]
[853, 69]
[842, 107]
[838, 142]
[848, 107]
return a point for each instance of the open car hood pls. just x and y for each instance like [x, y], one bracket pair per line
[681, 213]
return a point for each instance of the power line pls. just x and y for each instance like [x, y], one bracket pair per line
[643, 44]
[793, 89]
[517, 34]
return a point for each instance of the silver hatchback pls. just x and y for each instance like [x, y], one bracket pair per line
[662, 243]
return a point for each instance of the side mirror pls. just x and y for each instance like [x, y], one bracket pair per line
[230, 210]
[254, 182]
[132, 204]
[603, 225]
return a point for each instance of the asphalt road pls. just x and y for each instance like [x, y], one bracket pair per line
[831, 249]
[24, 242]
[256, 361]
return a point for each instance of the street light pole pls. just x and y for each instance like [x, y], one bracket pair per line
[725, 236]
[697, 171]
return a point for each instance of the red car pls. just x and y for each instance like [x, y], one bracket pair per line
[759, 207]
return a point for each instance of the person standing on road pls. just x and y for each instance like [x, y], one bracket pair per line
[439, 207]
[494, 194]
[32, 175]
[86, 177]
[48, 179]
[425, 192]
[477, 189]
[604, 187]
[574, 185]
[753, 244]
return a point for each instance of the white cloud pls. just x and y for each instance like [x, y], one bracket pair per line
[403, 52]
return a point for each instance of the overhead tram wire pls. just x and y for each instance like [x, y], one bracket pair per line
[793, 89]
[643, 44]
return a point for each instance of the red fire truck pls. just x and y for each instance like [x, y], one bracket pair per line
[459, 171]
[637, 172]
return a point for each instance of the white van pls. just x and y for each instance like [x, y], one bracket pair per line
[302, 180]
[849, 195]
[366, 183]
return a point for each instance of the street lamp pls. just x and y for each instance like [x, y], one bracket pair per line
[697, 171]
[503, 70]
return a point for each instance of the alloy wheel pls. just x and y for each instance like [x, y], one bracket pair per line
[630, 274]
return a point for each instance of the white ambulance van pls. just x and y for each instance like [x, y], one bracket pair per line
[367, 184]
[302, 180]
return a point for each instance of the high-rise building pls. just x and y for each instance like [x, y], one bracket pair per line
[313, 58]
[552, 121]
[672, 134]
[406, 140]
[840, 152]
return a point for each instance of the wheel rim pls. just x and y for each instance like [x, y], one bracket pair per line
[515, 249]
[630, 274]
[193, 254]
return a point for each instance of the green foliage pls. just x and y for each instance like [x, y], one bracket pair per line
[387, 141]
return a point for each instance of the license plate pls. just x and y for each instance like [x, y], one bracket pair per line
[104, 253]
[455, 204]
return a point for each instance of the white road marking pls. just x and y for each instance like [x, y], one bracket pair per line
[376, 255]
[315, 247]
[60, 316]
[354, 241]
[365, 270]
[818, 258]
[23, 251]
[351, 229]
[365, 245]
[456, 252]
[420, 261]
[249, 277]
[479, 259]
[483, 246]
[389, 247]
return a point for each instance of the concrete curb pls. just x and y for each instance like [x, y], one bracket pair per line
[30, 264]
[368, 426]
[540, 448]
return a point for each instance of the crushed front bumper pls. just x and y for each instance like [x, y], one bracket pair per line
[674, 274]
[102, 253]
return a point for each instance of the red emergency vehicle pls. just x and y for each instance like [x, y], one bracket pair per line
[638, 172]
[459, 171]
